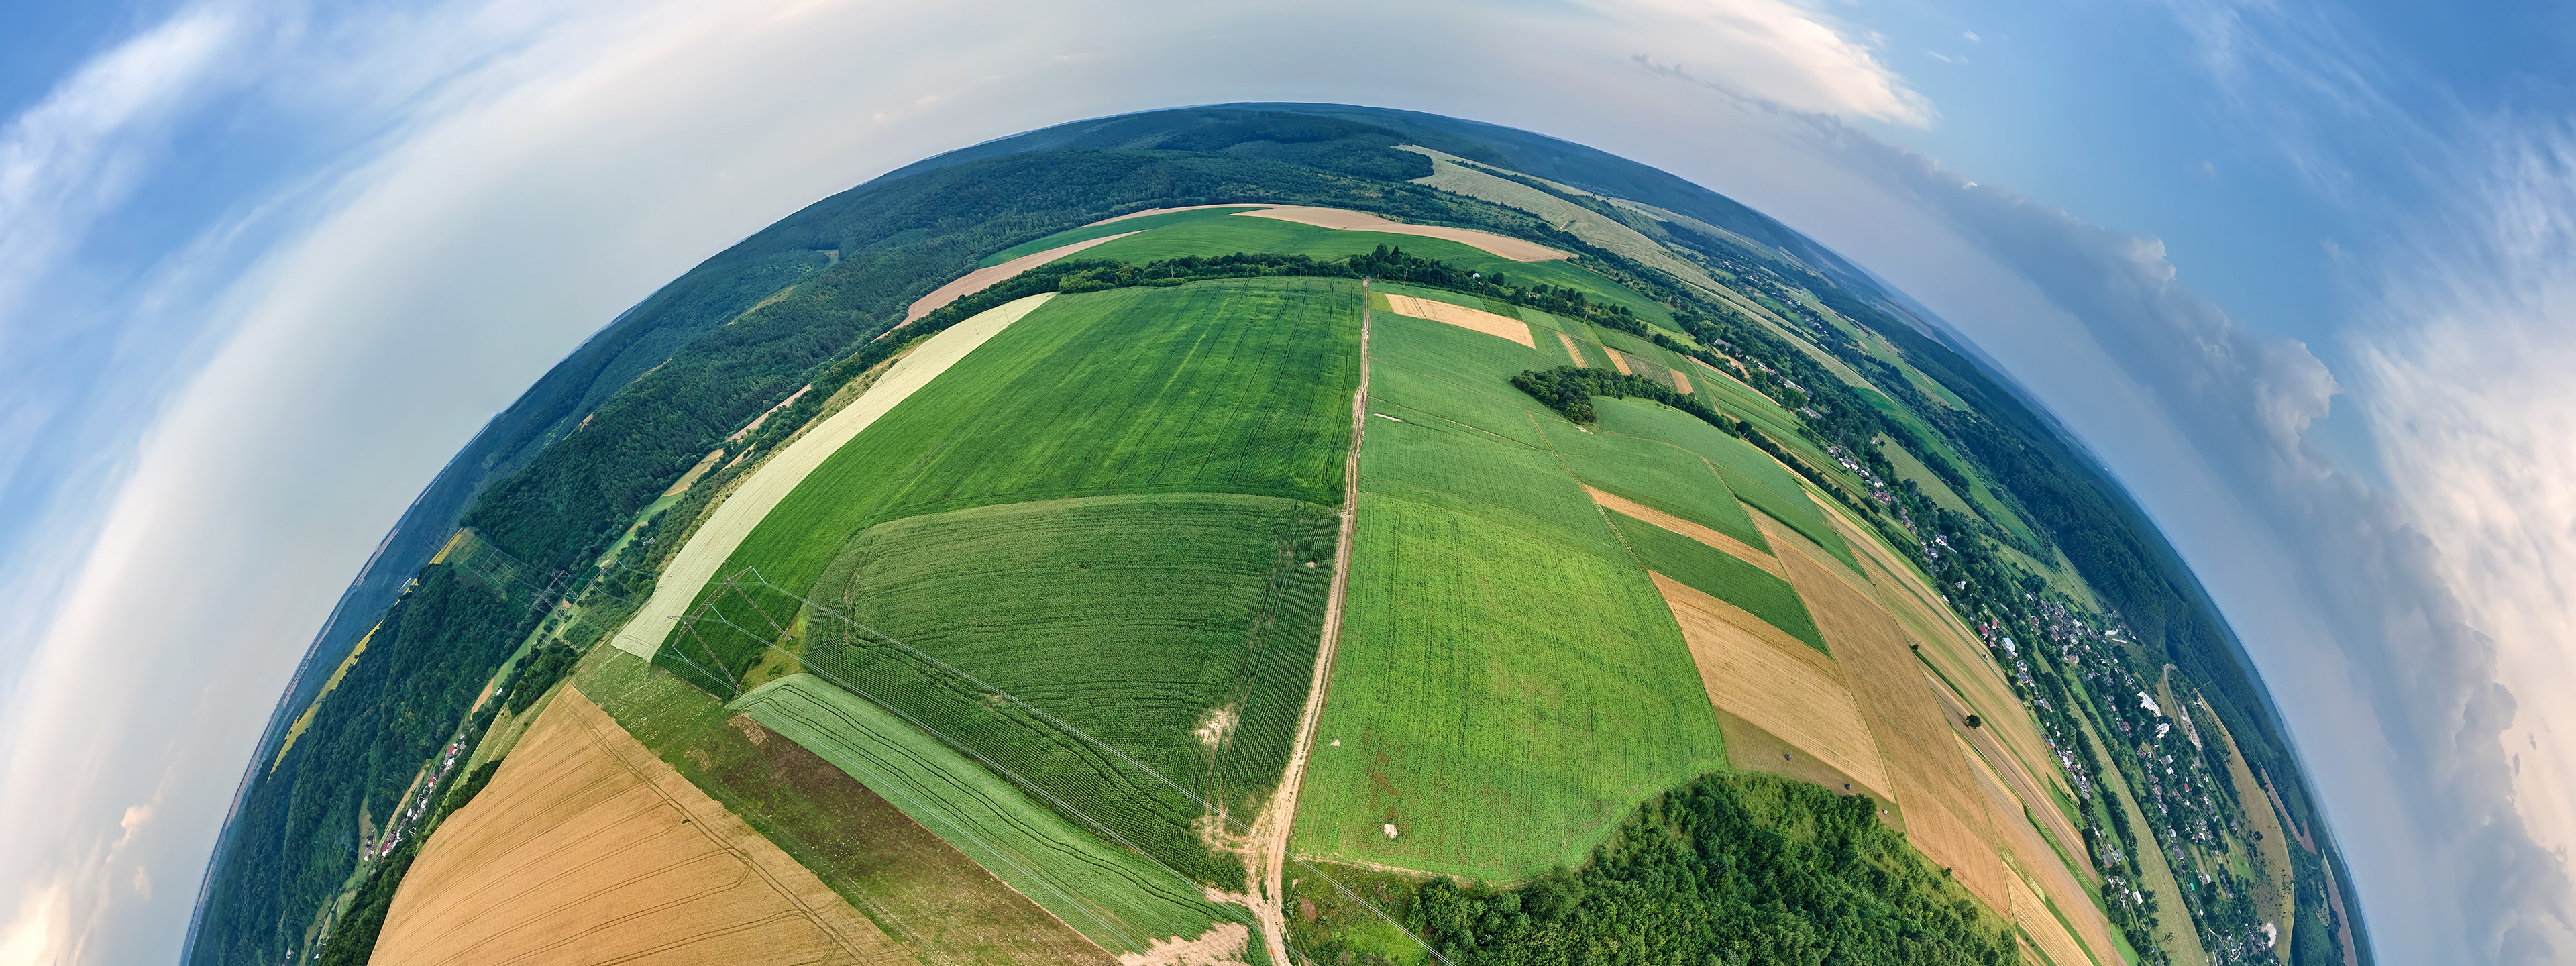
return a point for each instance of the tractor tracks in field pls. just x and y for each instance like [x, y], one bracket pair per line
[1269, 839]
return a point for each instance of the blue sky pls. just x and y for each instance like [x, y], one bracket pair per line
[264, 266]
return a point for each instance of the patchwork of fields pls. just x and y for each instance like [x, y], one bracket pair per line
[1546, 622]
[1511, 681]
[587, 849]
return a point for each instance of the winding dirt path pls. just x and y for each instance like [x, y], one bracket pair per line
[1269, 840]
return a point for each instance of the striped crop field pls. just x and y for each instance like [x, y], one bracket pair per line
[1119, 898]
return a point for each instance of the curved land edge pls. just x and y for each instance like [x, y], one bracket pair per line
[1270, 829]
[714, 542]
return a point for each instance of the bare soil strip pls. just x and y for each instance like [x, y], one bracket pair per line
[1343, 220]
[1757, 673]
[1681, 381]
[1477, 320]
[1619, 361]
[1732, 547]
[753, 498]
[586, 848]
[1573, 350]
[1268, 848]
[984, 278]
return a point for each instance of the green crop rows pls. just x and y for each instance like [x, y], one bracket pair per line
[1134, 621]
[1118, 898]
[1107, 510]
[1755, 477]
[1720, 575]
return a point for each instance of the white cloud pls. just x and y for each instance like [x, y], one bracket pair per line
[2467, 370]
[1972, 37]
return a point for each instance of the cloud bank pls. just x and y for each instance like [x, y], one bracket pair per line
[524, 171]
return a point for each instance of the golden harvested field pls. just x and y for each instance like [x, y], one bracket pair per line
[1681, 381]
[1573, 350]
[1619, 361]
[1738, 549]
[1775, 681]
[586, 848]
[1988, 753]
[753, 498]
[1477, 320]
[1343, 220]
[984, 278]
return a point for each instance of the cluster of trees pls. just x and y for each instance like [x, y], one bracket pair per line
[1395, 265]
[1736, 869]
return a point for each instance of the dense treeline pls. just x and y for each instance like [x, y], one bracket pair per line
[1742, 870]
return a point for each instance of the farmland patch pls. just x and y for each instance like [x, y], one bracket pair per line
[1131, 621]
[587, 849]
[1499, 648]
[1742, 585]
[1120, 899]
[1234, 387]
[1782, 686]
[924, 892]
[774, 481]
[1473, 320]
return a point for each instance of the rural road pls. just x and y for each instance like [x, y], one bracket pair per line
[1270, 831]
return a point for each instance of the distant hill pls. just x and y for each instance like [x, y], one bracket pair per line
[1275, 532]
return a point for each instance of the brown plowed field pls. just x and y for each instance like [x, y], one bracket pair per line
[1764, 676]
[1477, 320]
[585, 848]
[1738, 549]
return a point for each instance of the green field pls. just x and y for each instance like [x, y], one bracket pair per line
[1120, 899]
[1119, 227]
[1509, 683]
[939, 901]
[1209, 237]
[1136, 620]
[1720, 575]
[1213, 387]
